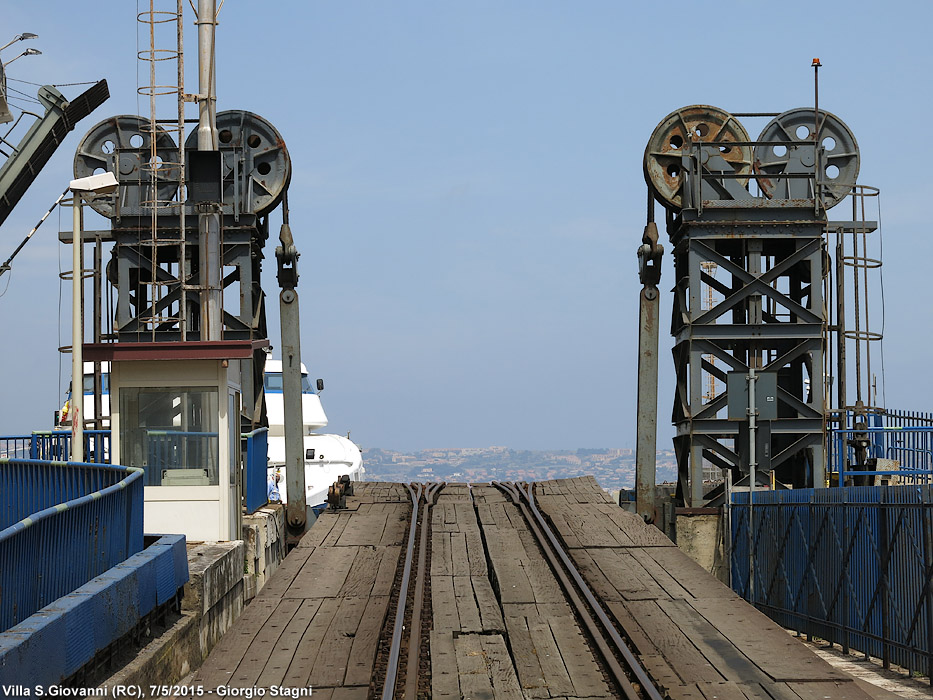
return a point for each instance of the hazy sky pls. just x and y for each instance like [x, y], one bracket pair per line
[468, 193]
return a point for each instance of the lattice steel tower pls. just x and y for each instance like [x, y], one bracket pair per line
[755, 211]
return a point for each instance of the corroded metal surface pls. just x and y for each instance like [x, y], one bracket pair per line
[672, 136]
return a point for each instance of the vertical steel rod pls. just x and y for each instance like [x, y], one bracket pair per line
[77, 335]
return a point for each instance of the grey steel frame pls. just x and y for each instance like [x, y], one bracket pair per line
[771, 318]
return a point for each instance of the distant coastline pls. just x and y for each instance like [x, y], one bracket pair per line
[614, 468]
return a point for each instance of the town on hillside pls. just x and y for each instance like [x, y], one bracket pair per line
[614, 468]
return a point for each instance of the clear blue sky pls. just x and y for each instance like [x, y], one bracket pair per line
[468, 192]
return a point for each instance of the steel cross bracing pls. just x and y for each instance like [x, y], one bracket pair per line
[770, 317]
[756, 212]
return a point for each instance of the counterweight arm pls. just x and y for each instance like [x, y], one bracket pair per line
[649, 273]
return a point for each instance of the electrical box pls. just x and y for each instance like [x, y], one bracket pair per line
[765, 395]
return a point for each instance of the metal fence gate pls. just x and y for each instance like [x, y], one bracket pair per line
[850, 565]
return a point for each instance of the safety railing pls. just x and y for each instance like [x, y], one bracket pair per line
[55, 445]
[901, 453]
[62, 524]
[15, 446]
[851, 565]
[257, 461]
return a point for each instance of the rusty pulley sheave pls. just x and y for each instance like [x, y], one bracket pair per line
[671, 140]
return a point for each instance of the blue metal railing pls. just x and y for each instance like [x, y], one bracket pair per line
[62, 524]
[257, 463]
[55, 445]
[911, 447]
[851, 565]
[15, 446]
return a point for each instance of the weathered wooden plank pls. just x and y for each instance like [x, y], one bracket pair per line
[765, 643]
[284, 649]
[228, 653]
[670, 640]
[441, 563]
[722, 691]
[444, 604]
[640, 533]
[365, 641]
[633, 631]
[527, 662]
[254, 660]
[385, 576]
[555, 673]
[445, 678]
[331, 663]
[626, 574]
[476, 552]
[594, 576]
[343, 519]
[660, 672]
[489, 611]
[543, 582]
[324, 573]
[693, 577]
[585, 675]
[471, 667]
[362, 573]
[309, 647]
[670, 584]
[506, 553]
[837, 690]
[459, 561]
[363, 530]
[319, 530]
[500, 668]
[286, 573]
[467, 610]
[712, 644]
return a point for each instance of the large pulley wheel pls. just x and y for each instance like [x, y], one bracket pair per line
[256, 164]
[839, 161]
[670, 142]
[121, 144]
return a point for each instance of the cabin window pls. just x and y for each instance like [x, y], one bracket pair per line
[104, 382]
[274, 382]
[171, 433]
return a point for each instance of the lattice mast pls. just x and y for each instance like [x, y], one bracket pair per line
[755, 212]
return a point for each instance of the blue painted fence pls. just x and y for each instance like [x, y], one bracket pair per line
[257, 460]
[58, 641]
[851, 565]
[55, 445]
[61, 525]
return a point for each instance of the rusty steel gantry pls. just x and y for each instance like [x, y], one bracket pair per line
[757, 210]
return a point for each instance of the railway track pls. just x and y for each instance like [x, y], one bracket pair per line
[505, 591]
[408, 633]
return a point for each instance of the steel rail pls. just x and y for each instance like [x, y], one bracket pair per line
[388, 690]
[414, 630]
[591, 613]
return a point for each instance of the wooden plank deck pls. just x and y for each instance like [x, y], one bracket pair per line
[501, 627]
[692, 633]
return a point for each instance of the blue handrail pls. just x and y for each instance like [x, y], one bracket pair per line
[64, 524]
